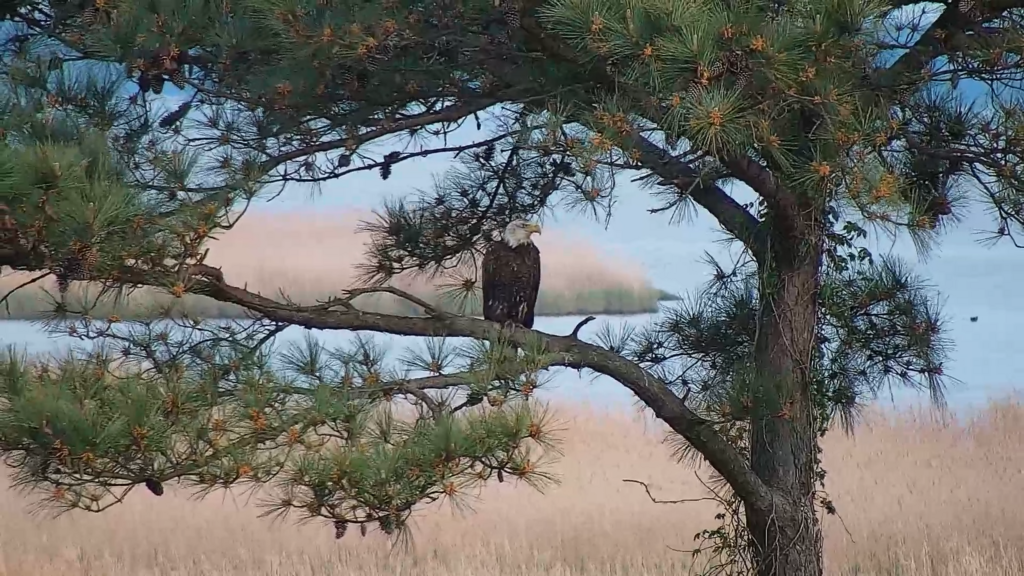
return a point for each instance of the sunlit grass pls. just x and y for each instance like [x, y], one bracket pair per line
[917, 498]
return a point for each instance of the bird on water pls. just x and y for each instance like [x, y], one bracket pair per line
[511, 275]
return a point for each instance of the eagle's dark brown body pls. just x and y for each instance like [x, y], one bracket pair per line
[511, 280]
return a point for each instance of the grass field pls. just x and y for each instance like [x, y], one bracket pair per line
[917, 498]
[313, 256]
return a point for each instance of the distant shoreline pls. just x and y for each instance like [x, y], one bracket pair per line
[314, 254]
[34, 305]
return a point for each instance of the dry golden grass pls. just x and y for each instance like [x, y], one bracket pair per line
[313, 255]
[918, 498]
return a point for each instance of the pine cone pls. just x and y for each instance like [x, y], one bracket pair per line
[157, 83]
[738, 63]
[903, 94]
[969, 8]
[90, 256]
[488, 153]
[155, 486]
[694, 90]
[71, 268]
[178, 79]
[511, 13]
[717, 69]
[938, 206]
[172, 118]
[340, 528]
[90, 16]
[76, 266]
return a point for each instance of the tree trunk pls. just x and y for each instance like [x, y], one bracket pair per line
[783, 442]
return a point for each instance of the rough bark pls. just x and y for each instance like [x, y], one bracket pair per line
[783, 453]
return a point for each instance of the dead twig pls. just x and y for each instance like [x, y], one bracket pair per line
[427, 307]
[576, 331]
[647, 489]
[6, 299]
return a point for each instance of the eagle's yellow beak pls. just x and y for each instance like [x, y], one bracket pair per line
[534, 228]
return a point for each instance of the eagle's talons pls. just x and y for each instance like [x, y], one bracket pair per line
[576, 331]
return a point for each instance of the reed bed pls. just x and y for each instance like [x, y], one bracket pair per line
[916, 497]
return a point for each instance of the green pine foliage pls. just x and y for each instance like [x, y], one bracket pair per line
[216, 406]
[134, 132]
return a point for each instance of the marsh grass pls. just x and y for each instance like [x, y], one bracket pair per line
[918, 498]
[314, 255]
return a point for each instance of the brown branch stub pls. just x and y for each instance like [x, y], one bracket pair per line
[579, 326]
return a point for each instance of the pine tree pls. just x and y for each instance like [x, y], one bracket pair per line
[840, 115]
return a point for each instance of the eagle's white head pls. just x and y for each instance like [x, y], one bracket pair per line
[518, 232]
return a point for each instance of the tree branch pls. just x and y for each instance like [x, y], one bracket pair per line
[930, 46]
[761, 181]
[447, 114]
[566, 352]
[731, 215]
[456, 150]
[655, 500]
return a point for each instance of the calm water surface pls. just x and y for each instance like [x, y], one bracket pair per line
[981, 349]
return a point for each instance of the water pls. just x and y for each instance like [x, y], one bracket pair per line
[973, 280]
[981, 349]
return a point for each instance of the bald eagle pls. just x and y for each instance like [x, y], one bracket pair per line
[511, 275]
